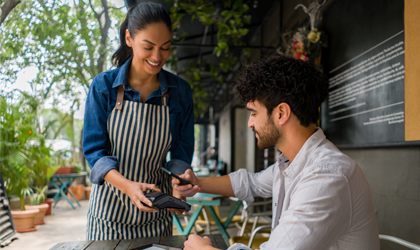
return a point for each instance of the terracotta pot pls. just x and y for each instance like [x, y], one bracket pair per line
[48, 201]
[87, 191]
[64, 170]
[39, 218]
[78, 192]
[24, 220]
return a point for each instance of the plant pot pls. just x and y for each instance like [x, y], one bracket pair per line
[39, 218]
[48, 201]
[78, 192]
[64, 170]
[24, 220]
[87, 192]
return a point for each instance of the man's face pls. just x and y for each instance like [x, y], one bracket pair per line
[263, 125]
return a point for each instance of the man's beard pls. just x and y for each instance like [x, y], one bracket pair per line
[268, 135]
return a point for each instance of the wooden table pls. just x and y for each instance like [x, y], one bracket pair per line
[175, 241]
[208, 201]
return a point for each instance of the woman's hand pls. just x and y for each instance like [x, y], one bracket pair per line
[196, 242]
[136, 190]
[186, 190]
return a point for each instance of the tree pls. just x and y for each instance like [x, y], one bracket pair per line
[69, 42]
[6, 8]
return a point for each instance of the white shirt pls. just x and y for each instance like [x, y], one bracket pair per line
[325, 203]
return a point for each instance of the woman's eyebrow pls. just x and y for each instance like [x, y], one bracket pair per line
[155, 44]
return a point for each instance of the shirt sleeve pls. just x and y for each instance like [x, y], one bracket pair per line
[96, 146]
[185, 148]
[247, 185]
[319, 213]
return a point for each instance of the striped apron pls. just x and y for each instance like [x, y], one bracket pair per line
[140, 139]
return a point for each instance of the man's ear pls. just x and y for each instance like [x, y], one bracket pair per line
[282, 113]
[128, 39]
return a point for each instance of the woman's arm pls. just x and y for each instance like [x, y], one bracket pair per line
[96, 148]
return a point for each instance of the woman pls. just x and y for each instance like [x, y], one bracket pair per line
[134, 115]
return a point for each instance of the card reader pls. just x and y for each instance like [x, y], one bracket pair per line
[161, 200]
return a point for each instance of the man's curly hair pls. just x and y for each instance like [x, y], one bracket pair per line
[278, 79]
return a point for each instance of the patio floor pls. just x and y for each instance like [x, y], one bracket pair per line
[67, 224]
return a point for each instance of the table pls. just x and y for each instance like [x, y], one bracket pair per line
[65, 180]
[206, 200]
[175, 241]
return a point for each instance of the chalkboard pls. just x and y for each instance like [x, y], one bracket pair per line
[366, 69]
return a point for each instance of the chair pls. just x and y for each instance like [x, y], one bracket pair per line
[252, 241]
[399, 241]
[249, 215]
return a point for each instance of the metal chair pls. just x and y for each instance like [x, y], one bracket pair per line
[399, 241]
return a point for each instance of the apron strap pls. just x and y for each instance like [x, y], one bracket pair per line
[166, 95]
[120, 97]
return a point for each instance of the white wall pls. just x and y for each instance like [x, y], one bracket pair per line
[225, 145]
[250, 147]
[241, 127]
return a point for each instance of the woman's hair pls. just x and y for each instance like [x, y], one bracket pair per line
[138, 18]
[278, 79]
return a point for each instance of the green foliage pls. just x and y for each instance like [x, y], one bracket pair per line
[25, 161]
[18, 181]
[39, 196]
[64, 41]
[230, 30]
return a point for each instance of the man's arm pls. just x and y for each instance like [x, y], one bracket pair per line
[216, 185]
[240, 184]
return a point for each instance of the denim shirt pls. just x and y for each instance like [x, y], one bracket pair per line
[101, 101]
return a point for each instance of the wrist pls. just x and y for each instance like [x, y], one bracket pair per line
[125, 187]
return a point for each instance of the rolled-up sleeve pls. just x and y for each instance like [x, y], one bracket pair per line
[96, 146]
[247, 185]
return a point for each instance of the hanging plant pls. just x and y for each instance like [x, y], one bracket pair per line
[229, 17]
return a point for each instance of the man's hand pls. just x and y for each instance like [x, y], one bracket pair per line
[186, 190]
[196, 242]
[178, 211]
[136, 190]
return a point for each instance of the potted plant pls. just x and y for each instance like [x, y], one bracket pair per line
[36, 204]
[19, 179]
[41, 162]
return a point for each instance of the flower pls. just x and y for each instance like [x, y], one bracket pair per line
[314, 36]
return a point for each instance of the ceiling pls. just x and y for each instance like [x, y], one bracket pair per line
[200, 43]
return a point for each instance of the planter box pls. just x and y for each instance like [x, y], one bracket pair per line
[24, 220]
[39, 218]
[78, 191]
[66, 170]
[48, 201]
[87, 192]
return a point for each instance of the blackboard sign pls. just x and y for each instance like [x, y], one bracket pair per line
[365, 64]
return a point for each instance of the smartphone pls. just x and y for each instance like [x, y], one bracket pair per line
[177, 177]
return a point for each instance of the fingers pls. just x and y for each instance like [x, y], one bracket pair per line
[151, 187]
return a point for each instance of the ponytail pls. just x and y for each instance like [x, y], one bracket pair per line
[138, 18]
[124, 52]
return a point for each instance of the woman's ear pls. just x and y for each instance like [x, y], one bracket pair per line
[284, 112]
[128, 39]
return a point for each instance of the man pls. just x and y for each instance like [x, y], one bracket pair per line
[321, 199]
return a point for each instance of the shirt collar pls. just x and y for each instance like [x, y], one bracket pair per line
[305, 153]
[122, 79]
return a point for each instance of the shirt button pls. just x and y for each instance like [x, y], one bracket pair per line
[275, 204]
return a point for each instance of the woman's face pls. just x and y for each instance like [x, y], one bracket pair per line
[151, 47]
